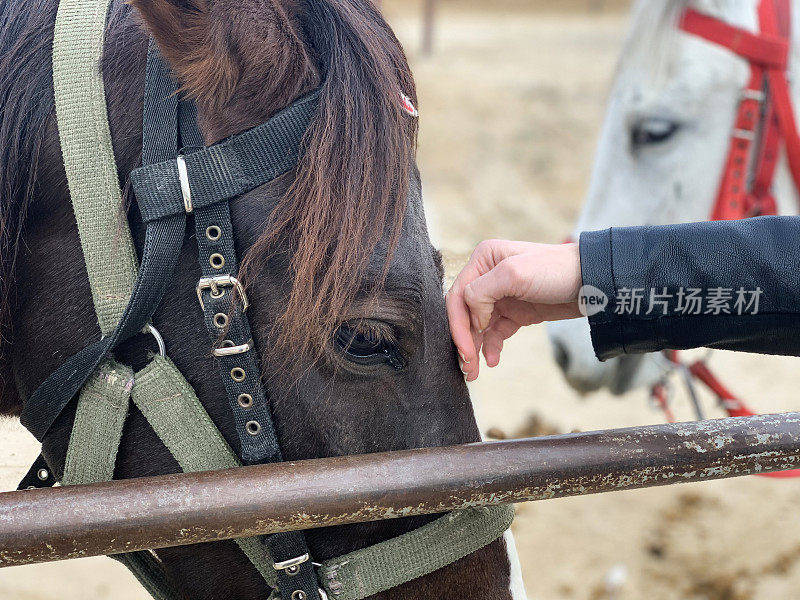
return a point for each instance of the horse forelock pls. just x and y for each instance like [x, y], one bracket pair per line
[350, 190]
[348, 201]
[244, 61]
[649, 44]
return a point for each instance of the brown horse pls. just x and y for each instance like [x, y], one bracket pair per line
[334, 244]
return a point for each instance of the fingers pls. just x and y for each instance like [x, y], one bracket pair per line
[496, 270]
[466, 336]
[498, 332]
[466, 344]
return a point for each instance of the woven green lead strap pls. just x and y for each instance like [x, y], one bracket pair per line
[110, 258]
[88, 155]
[432, 547]
[99, 419]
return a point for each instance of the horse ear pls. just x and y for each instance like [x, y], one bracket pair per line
[185, 35]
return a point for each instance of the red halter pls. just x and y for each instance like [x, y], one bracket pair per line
[765, 118]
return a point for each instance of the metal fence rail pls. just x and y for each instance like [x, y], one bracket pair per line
[122, 516]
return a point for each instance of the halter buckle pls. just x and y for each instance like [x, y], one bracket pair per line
[233, 350]
[218, 281]
[756, 95]
[744, 134]
[292, 562]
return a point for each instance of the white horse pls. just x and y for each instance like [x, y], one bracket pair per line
[662, 151]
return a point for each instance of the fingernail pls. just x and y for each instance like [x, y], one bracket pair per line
[463, 360]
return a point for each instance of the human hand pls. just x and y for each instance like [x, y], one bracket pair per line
[507, 285]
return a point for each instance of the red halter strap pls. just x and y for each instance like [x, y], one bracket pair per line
[765, 115]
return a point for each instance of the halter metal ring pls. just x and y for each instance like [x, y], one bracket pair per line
[186, 189]
[162, 347]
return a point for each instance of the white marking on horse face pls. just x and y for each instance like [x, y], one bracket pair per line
[665, 76]
[517, 586]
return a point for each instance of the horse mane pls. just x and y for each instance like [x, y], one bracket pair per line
[26, 102]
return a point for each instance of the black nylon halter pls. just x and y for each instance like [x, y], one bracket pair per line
[212, 176]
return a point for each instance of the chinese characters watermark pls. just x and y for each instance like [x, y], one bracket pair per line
[685, 301]
[688, 301]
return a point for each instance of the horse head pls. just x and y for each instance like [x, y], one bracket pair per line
[662, 152]
[344, 286]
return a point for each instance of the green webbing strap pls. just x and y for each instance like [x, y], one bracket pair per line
[171, 407]
[99, 418]
[175, 413]
[107, 248]
[89, 156]
[391, 563]
[92, 452]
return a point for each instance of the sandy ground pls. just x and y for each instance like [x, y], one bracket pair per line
[511, 107]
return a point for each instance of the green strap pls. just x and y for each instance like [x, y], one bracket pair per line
[391, 563]
[89, 156]
[108, 251]
[92, 452]
[99, 418]
[111, 266]
[173, 410]
[175, 413]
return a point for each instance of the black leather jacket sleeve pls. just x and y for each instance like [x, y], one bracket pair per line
[747, 273]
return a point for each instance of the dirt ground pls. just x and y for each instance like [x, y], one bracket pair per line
[511, 104]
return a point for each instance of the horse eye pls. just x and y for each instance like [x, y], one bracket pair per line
[366, 347]
[648, 132]
[358, 343]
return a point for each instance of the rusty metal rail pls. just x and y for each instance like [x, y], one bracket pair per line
[107, 518]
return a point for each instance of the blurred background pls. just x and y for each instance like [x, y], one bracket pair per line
[512, 96]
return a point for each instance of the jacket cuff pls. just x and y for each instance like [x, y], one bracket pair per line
[597, 273]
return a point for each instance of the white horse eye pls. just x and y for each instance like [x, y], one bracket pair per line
[648, 132]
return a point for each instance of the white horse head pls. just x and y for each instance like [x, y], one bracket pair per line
[662, 151]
